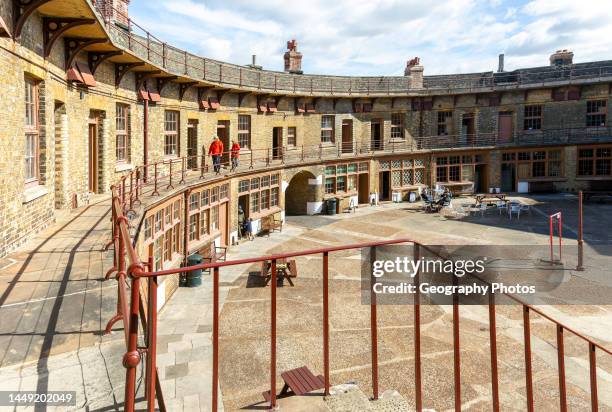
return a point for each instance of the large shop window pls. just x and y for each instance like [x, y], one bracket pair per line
[122, 134]
[595, 161]
[327, 129]
[405, 173]
[457, 168]
[596, 113]
[32, 167]
[171, 133]
[263, 192]
[533, 117]
[536, 163]
[343, 178]
[244, 131]
[204, 211]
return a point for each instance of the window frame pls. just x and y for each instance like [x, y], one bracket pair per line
[122, 115]
[602, 105]
[31, 132]
[291, 136]
[397, 127]
[328, 130]
[533, 115]
[593, 160]
[443, 119]
[172, 136]
[244, 134]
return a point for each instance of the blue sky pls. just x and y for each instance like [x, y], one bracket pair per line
[377, 37]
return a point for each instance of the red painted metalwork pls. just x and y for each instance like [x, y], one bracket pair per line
[326, 321]
[593, 376]
[561, 367]
[417, 335]
[493, 346]
[129, 266]
[151, 340]
[580, 266]
[373, 328]
[528, 367]
[273, 336]
[215, 333]
[145, 138]
[559, 218]
[456, 347]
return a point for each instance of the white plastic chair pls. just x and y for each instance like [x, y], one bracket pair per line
[501, 205]
[515, 208]
[526, 208]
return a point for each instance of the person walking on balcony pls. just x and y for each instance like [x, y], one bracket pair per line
[216, 150]
[235, 155]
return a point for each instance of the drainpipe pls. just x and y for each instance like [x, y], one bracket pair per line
[145, 136]
[186, 227]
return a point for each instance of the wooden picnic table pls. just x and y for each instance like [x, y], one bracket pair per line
[284, 270]
[490, 197]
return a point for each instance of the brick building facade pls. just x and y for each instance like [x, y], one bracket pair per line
[535, 129]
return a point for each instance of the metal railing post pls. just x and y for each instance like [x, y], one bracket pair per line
[170, 177]
[155, 192]
[580, 266]
[417, 334]
[151, 340]
[131, 359]
[373, 327]
[493, 345]
[456, 347]
[528, 368]
[326, 320]
[273, 335]
[215, 340]
[561, 368]
[593, 377]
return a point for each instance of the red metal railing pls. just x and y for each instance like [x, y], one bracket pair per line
[145, 45]
[130, 309]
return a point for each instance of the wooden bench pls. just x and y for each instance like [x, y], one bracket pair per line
[270, 224]
[214, 254]
[291, 270]
[300, 381]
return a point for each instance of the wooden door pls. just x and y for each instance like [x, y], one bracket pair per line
[277, 142]
[505, 127]
[93, 157]
[223, 132]
[347, 136]
[192, 144]
[377, 135]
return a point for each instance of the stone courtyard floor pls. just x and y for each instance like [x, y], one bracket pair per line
[54, 306]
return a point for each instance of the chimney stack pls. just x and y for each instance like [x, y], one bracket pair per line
[293, 58]
[415, 71]
[500, 66]
[561, 58]
[253, 64]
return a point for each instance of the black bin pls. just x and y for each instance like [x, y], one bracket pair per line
[331, 206]
[194, 277]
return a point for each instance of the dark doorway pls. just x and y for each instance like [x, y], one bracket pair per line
[384, 190]
[505, 127]
[192, 144]
[347, 136]
[277, 143]
[93, 153]
[377, 134]
[363, 189]
[468, 131]
[480, 178]
[223, 131]
[243, 203]
[508, 177]
[299, 193]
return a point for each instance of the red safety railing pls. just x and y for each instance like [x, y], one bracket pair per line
[139, 41]
[133, 273]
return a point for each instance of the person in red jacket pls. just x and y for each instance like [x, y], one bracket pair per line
[235, 155]
[216, 150]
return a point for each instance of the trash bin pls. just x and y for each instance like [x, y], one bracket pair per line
[331, 206]
[194, 277]
[412, 197]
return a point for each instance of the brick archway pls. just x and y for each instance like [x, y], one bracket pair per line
[299, 193]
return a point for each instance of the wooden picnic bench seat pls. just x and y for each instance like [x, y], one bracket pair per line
[290, 272]
[299, 381]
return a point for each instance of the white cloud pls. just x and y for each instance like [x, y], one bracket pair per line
[376, 37]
